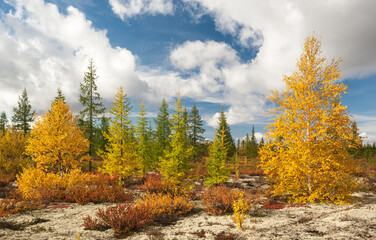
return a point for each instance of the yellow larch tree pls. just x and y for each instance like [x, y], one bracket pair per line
[121, 151]
[56, 143]
[306, 156]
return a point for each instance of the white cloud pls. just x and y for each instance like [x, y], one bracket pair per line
[129, 8]
[279, 29]
[42, 49]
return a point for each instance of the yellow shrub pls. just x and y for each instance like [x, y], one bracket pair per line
[241, 207]
[166, 206]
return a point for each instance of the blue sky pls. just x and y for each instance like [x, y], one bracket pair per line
[218, 53]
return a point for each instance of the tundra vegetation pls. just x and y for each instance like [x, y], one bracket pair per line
[312, 153]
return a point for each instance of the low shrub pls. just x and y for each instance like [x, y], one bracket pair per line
[75, 186]
[6, 178]
[122, 218]
[166, 207]
[155, 183]
[218, 200]
[241, 208]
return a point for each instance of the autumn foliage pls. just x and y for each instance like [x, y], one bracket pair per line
[12, 148]
[56, 143]
[306, 156]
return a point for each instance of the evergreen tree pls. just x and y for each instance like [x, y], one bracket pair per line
[261, 143]
[60, 95]
[163, 129]
[92, 103]
[23, 115]
[174, 166]
[3, 121]
[216, 164]
[144, 147]
[247, 144]
[101, 131]
[253, 144]
[223, 126]
[121, 156]
[195, 130]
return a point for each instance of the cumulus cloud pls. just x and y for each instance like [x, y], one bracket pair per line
[42, 49]
[129, 8]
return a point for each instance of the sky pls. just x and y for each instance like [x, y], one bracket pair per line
[218, 53]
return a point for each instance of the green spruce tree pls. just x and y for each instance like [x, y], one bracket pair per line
[92, 104]
[3, 121]
[163, 130]
[60, 95]
[223, 126]
[253, 144]
[195, 131]
[23, 115]
[144, 141]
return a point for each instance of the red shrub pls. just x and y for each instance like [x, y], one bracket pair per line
[122, 218]
[274, 205]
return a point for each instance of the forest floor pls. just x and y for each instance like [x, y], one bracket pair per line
[325, 221]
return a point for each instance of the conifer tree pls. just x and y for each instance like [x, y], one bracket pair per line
[163, 130]
[261, 143]
[223, 126]
[101, 131]
[92, 103]
[306, 154]
[3, 121]
[174, 165]
[121, 155]
[60, 95]
[253, 144]
[23, 115]
[195, 130]
[56, 143]
[144, 141]
[217, 170]
[247, 144]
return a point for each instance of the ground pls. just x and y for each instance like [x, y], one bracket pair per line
[325, 221]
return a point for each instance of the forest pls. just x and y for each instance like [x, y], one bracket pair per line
[156, 171]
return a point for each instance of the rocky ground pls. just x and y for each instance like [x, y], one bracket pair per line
[326, 221]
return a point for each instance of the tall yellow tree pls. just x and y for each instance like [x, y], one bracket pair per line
[56, 143]
[306, 155]
[121, 155]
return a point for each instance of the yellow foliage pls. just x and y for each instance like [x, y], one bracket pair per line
[166, 205]
[306, 156]
[241, 207]
[121, 155]
[12, 148]
[56, 143]
[33, 179]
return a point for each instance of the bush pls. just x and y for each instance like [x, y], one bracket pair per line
[75, 186]
[122, 218]
[166, 207]
[155, 184]
[220, 199]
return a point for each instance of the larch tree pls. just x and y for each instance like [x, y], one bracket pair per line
[144, 140]
[163, 130]
[174, 165]
[92, 103]
[121, 151]
[23, 115]
[56, 143]
[195, 130]
[216, 164]
[306, 154]
[223, 126]
[3, 121]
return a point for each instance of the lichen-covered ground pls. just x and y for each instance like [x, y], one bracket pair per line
[326, 221]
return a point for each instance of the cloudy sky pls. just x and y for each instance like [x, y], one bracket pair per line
[217, 52]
